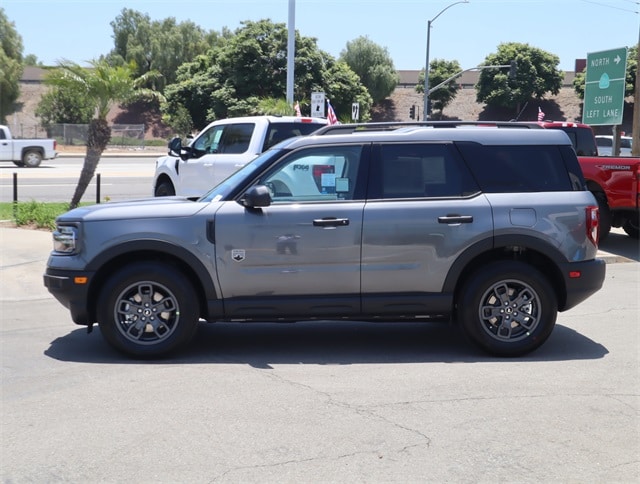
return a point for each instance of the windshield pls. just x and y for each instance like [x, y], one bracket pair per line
[247, 172]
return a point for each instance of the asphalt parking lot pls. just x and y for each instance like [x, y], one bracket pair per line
[317, 402]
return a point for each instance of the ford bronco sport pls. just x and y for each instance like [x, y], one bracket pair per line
[489, 228]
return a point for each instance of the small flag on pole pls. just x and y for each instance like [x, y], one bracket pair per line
[540, 114]
[297, 108]
[331, 114]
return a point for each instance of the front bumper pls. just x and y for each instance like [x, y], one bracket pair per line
[66, 287]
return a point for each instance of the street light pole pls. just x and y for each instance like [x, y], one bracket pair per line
[425, 111]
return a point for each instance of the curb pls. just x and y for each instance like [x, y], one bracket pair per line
[119, 154]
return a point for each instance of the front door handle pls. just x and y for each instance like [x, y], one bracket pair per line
[455, 219]
[331, 222]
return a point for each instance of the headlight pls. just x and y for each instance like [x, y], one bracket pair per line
[65, 239]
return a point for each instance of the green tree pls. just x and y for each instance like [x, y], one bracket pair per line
[157, 45]
[32, 60]
[249, 66]
[537, 74]
[439, 71]
[342, 88]
[373, 64]
[63, 104]
[103, 85]
[11, 66]
[630, 75]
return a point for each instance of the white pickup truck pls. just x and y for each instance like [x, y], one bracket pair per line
[222, 148]
[25, 152]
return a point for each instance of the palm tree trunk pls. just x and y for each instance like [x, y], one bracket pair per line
[89, 166]
[98, 137]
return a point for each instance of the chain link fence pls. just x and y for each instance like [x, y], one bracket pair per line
[122, 135]
[126, 135]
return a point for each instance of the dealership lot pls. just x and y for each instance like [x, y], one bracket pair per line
[317, 402]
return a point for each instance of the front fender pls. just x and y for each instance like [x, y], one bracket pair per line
[105, 263]
[166, 167]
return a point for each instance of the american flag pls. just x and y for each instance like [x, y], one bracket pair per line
[297, 108]
[331, 114]
[540, 114]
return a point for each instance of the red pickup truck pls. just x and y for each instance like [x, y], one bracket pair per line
[614, 181]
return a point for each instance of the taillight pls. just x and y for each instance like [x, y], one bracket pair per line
[55, 144]
[593, 223]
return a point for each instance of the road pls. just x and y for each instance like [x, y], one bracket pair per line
[315, 402]
[121, 178]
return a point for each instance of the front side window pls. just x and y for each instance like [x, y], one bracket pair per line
[228, 138]
[315, 174]
[208, 142]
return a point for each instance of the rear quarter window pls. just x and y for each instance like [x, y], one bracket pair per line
[530, 168]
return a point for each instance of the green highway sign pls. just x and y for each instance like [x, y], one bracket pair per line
[604, 87]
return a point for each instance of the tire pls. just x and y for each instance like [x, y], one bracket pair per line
[605, 215]
[631, 226]
[165, 189]
[32, 158]
[507, 308]
[147, 309]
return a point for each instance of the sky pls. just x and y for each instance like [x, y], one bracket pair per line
[80, 30]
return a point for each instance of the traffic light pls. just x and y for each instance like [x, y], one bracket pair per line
[412, 112]
[512, 69]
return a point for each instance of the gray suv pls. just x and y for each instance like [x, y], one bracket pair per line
[489, 228]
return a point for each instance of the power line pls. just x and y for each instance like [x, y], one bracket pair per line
[615, 8]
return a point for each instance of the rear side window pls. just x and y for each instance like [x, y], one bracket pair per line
[281, 131]
[513, 169]
[419, 170]
[236, 138]
[582, 140]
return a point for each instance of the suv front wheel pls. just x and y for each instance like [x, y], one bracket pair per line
[508, 308]
[147, 310]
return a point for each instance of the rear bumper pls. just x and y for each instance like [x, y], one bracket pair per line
[72, 295]
[592, 274]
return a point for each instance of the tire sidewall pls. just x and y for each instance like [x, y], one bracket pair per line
[471, 299]
[159, 273]
[165, 189]
[32, 159]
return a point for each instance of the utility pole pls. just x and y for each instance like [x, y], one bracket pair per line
[635, 127]
[291, 50]
[425, 110]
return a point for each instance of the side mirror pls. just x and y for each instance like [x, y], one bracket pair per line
[176, 148]
[256, 196]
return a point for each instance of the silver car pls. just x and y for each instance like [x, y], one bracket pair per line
[491, 229]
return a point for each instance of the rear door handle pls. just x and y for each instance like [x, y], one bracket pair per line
[331, 222]
[455, 219]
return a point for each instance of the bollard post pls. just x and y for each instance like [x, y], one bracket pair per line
[15, 195]
[98, 188]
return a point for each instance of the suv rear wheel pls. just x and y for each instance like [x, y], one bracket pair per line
[508, 308]
[147, 310]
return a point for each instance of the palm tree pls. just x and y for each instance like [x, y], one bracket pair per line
[105, 85]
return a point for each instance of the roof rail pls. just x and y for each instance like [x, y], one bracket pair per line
[393, 125]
